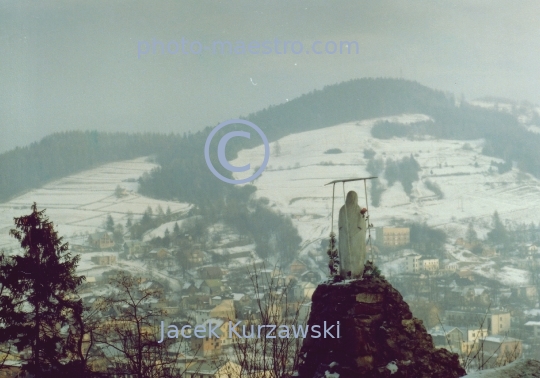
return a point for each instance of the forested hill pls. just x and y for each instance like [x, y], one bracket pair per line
[369, 98]
[62, 154]
[349, 101]
[185, 176]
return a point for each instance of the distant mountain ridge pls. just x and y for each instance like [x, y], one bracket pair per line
[350, 101]
[354, 100]
[181, 157]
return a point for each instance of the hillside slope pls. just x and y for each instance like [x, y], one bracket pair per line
[294, 182]
[79, 204]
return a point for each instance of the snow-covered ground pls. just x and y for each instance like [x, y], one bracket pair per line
[463, 255]
[79, 204]
[517, 369]
[503, 106]
[294, 180]
[506, 275]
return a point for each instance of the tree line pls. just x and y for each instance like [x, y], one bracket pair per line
[61, 154]
[404, 170]
[505, 137]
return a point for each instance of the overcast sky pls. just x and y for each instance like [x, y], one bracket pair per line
[74, 64]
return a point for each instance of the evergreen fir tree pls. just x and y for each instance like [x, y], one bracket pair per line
[533, 233]
[471, 235]
[176, 230]
[376, 191]
[176, 233]
[109, 223]
[146, 220]
[391, 172]
[39, 310]
[375, 166]
[129, 221]
[166, 242]
[498, 235]
[118, 235]
[277, 149]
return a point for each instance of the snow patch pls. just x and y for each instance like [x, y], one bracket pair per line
[392, 367]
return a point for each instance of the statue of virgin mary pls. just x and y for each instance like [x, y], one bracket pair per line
[352, 238]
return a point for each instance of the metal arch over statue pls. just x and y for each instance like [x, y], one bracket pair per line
[351, 255]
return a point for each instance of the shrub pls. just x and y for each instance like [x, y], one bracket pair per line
[388, 130]
[333, 151]
[369, 153]
[435, 188]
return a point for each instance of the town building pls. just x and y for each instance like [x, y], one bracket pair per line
[461, 340]
[528, 292]
[501, 350]
[497, 322]
[209, 345]
[429, 265]
[224, 310]
[304, 290]
[100, 240]
[103, 259]
[412, 263]
[447, 337]
[392, 236]
[193, 257]
[212, 287]
[159, 254]
[210, 273]
[534, 327]
[472, 343]
[298, 267]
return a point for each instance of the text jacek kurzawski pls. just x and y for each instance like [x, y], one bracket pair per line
[235, 330]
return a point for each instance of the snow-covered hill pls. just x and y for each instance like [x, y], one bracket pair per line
[79, 204]
[295, 179]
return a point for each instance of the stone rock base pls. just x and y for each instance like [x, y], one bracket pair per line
[379, 335]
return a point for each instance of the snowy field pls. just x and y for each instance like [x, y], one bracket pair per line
[507, 275]
[79, 204]
[518, 369]
[295, 179]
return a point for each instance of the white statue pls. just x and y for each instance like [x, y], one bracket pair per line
[352, 237]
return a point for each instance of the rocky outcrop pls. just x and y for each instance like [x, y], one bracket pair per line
[379, 337]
